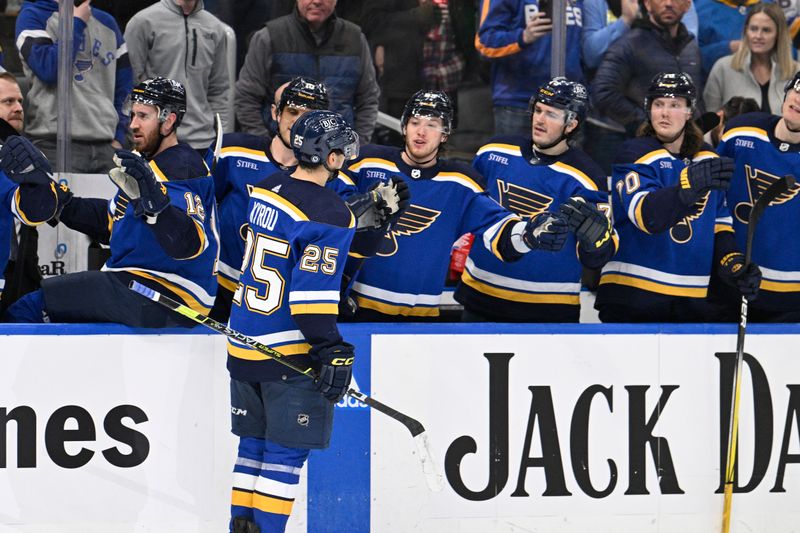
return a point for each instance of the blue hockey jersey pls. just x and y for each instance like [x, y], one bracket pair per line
[31, 205]
[526, 185]
[760, 160]
[244, 161]
[288, 292]
[407, 275]
[672, 263]
[135, 249]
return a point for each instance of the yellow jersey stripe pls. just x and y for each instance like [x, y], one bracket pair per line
[579, 175]
[524, 297]
[496, 240]
[226, 283]
[314, 309]
[252, 354]
[745, 130]
[184, 295]
[391, 309]
[228, 149]
[279, 202]
[345, 178]
[373, 161]
[500, 147]
[638, 215]
[646, 158]
[722, 227]
[157, 171]
[778, 286]
[653, 286]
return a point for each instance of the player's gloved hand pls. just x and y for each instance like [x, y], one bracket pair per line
[23, 162]
[733, 272]
[136, 179]
[335, 365]
[380, 205]
[63, 197]
[700, 177]
[546, 231]
[591, 227]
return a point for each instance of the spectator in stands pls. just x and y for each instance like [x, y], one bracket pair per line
[178, 39]
[760, 68]
[245, 17]
[22, 273]
[443, 63]
[11, 111]
[515, 36]
[657, 43]
[734, 107]
[397, 29]
[674, 225]
[531, 175]
[313, 42]
[157, 226]
[719, 20]
[101, 78]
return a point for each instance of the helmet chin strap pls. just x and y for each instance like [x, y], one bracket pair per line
[418, 162]
[785, 123]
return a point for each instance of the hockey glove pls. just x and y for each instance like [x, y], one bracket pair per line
[380, 205]
[63, 197]
[700, 177]
[733, 272]
[546, 231]
[136, 179]
[335, 370]
[23, 162]
[591, 227]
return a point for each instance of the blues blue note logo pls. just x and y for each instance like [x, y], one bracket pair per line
[416, 219]
[757, 182]
[521, 200]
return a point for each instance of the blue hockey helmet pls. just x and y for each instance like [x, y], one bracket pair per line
[563, 94]
[304, 92]
[169, 96]
[671, 85]
[318, 133]
[429, 104]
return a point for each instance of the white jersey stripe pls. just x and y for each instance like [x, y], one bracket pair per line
[656, 275]
[397, 297]
[313, 296]
[520, 285]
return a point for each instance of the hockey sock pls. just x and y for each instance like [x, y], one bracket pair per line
[276, 487]
[245, 474]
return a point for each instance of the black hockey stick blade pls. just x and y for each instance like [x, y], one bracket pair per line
[775, 189]
[433, 477]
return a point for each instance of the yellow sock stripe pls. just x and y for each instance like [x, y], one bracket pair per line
[272, 505]
[241, 498]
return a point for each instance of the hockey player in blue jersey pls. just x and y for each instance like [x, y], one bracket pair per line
[246, 159]
[765, 148]
[287, 297]
[669, 209]
[27, 194]
[405, 280]
[161, 226]
[534, 175]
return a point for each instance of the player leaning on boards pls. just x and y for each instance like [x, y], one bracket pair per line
[406, 278]
[765, 148]
[669, 209]
[246, 159]
[533, 175]
[298, 235]
[160, 225]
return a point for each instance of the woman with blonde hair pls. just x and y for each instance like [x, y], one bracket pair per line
[760, 68]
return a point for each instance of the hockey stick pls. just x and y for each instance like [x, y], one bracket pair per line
[775, 189]
[217, 141]
[433, 477]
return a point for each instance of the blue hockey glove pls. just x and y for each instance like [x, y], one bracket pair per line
[23, 162]
[591, 227]
[335, 365]
[136, 179]
[700, 177]
[546, 231]
[733, 272]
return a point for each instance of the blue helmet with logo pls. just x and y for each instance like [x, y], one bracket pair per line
[318, 133]
[563, 94]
